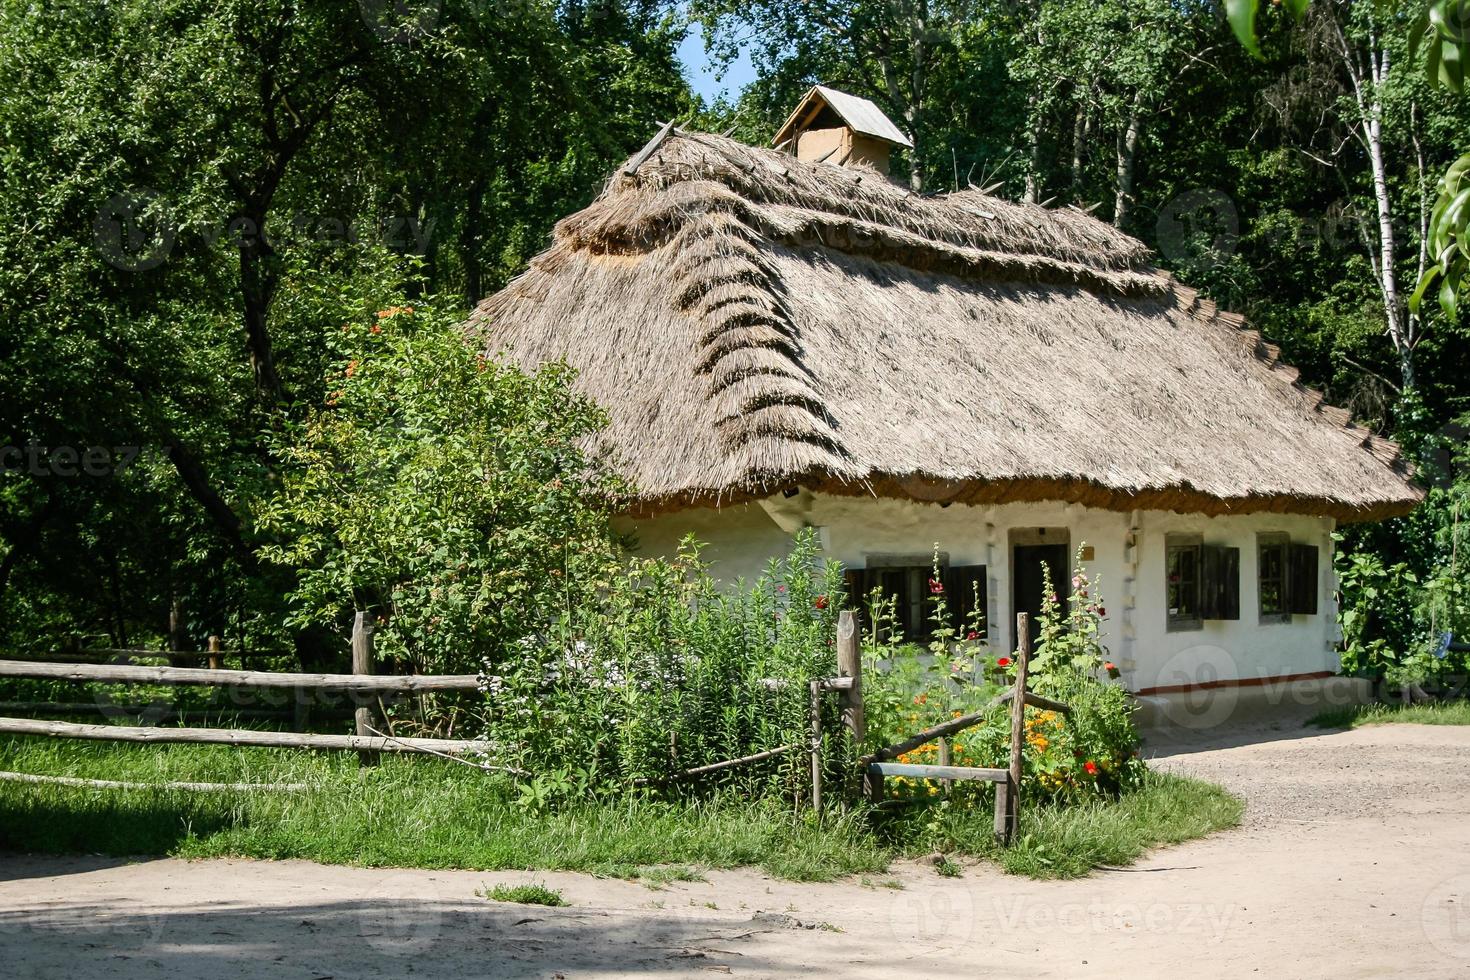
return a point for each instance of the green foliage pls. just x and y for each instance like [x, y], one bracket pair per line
[1094, 751]
[665, 671]
[194, 196]
[1394, 614]
[1376, 606]
[444, 493]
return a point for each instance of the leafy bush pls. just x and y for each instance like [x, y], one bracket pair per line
[1093, 752]
[665, 671]
[1394, 615]
[445, 493]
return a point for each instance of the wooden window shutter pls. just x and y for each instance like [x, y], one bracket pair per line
[1219, 582]
[853, 579]
[1302, 577]
[962, 583]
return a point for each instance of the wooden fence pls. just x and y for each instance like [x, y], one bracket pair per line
[367, 741]
[877, 766]
[872, 769]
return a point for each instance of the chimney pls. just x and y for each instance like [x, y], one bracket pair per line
[829, 126]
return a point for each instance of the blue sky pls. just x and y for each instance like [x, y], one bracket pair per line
[701, 75]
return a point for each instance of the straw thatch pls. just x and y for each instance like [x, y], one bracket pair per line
[752, 322]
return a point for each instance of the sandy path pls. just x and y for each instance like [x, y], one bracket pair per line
[1355, 862]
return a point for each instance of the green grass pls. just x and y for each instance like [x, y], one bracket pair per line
[430, 813]
[1070, 841]
[1446, 713]
[532, 894]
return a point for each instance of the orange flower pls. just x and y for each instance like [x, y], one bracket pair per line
[351, 368]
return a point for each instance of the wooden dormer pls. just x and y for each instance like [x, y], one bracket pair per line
[845, 130]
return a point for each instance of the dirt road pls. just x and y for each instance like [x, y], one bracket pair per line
[1354, 862]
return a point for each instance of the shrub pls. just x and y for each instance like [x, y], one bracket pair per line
[444, 493]
[664, 671]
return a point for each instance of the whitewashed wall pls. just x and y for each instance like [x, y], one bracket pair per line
[1128, 563]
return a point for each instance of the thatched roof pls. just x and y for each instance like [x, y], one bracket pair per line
[752, 322]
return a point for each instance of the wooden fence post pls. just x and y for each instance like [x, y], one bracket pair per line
[850, 664]
[362, 663]
[1008, 793]
[214, 653]
[816, 749]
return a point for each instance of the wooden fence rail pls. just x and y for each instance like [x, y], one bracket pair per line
[203, 676]
[878, 766]
[367, 742]
[231, 736]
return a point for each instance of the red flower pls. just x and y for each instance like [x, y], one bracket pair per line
[1102, 610]
[376, 328]
[1090, 767]
[1109, 666]
[972, 635]
[1003, 662]
[936, 587]
[820, 602]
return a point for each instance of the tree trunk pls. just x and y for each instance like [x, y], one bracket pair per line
[1368, 77]
[1032, 192]
[1079, 139]
[257, 290]
[1127, 161]
[918, 85]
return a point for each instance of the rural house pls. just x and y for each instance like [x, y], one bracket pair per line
[784, 339]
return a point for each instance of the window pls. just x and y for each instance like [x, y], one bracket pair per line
[908, 582]
[1288, 579]
[1271, 552]
[1183, 581]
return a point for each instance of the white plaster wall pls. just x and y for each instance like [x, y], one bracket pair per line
[739, 540]
[1128, 566]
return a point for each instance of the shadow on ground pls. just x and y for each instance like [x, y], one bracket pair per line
[393, 933]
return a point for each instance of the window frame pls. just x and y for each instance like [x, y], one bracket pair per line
[1173, 622]
[916, 570]
[1281, 541]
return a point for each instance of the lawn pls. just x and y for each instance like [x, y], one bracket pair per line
[1443, 713]
[429, 813]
